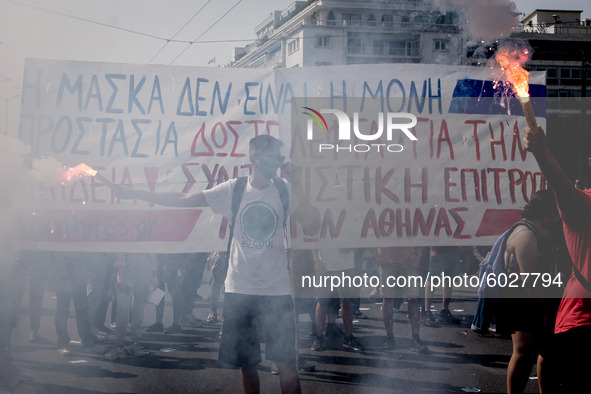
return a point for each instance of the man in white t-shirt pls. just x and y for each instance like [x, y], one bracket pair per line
[258, 294]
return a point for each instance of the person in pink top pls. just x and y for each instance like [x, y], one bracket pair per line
[573, 321]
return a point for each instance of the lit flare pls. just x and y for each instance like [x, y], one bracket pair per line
[84, 170]
[510, 62]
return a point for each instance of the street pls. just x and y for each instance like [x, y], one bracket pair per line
[459, 360]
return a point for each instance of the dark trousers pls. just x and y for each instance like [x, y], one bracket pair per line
[571, 359]
[77, 294]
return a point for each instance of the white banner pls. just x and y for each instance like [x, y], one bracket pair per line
[166, 128]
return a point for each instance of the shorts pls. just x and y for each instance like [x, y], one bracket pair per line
[246, 319]
[344, 291]
[520, 314]
[530, 315]
[388, 271]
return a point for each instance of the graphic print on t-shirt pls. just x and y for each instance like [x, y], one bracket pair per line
[259, 224]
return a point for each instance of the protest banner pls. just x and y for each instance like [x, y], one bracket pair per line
[168, 128]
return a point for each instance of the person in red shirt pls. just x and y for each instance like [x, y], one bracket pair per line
[573, 321]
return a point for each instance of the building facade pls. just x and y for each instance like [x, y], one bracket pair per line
[561, 43]
[329, 32]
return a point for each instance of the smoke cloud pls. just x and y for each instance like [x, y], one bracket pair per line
[484, 20]
[21, 178]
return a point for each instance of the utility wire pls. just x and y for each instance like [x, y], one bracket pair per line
[88, 20]
[175, 34]
[168, 40]
[208, 29]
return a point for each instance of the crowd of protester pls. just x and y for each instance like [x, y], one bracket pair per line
[545, 329]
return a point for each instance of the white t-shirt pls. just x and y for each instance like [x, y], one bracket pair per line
[258, 258]
[337, 258]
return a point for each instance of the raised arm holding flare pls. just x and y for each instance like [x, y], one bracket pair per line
[573, 321]
[563, 187]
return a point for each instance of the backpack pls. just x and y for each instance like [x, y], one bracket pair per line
[494, 262]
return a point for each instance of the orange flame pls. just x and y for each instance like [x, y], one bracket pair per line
[79, 171]
[510, 62]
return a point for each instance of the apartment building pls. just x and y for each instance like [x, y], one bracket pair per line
[561, 42]
[329, 32]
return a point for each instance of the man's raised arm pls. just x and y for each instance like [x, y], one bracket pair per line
[170, 199]
[563, 188]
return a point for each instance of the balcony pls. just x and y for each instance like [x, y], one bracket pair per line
[542, 28]
[356, 50]
[384, 26]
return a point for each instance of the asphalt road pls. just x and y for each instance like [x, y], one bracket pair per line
[459, 360]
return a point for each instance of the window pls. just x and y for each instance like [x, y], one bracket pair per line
[378, 47]
[323, 63]
[387, 20]
[354, 46]
[293, 46]
[371, 20]
[565, 73]
[399, 48]
[331, 20]
[440, 45]
[323, 42]
[576, 73]
[351, 19]
[314, 19]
